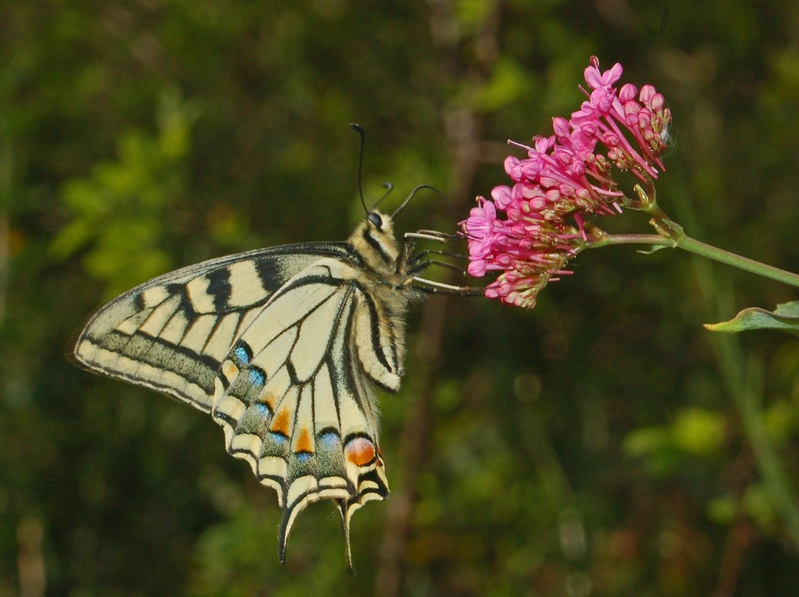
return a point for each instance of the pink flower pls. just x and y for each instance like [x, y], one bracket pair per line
[603, 97]
[562, 182]
[502, 196]
[600, 80]
[607, 112]
[479, 229]
[526, 247]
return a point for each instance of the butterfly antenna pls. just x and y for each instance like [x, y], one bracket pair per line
[359, 129]
[389, 187]
[435, 190]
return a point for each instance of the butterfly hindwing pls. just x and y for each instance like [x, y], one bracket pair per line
[292, 399]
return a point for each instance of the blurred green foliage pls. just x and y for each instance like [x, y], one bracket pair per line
[603, 444]
[120, 209]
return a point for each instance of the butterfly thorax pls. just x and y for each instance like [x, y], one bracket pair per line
[385, 279]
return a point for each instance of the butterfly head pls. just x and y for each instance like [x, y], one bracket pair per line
[375, 242]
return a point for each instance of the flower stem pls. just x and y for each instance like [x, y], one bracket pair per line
[687, 243]
[744, 263]
[631, 239]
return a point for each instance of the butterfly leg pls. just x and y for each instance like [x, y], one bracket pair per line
[419, 263]
[433, 287]
[423, 265]
[435, 235]
[422, 254]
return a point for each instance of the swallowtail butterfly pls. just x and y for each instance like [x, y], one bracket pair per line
[282, 347]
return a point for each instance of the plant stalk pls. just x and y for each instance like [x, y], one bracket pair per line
[682, 241]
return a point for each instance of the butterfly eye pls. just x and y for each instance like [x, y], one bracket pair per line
[376, 220]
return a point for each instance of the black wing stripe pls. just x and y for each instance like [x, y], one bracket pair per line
[219, 288]
[271, 274]
[326, 280]
[340, 372]
[345, 301]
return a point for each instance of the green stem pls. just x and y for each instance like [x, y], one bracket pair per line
[687, 243]
[744, 263]
[631, 239]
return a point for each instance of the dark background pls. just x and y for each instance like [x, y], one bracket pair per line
[602, 444]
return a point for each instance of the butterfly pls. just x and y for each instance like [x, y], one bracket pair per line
[282, 346]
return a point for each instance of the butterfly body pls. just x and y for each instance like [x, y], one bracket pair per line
[282, 347]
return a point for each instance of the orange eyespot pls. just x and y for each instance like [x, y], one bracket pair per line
[360, 451]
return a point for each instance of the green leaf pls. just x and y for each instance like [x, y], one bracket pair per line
[785, 317]
[652, 250]
[120, 209]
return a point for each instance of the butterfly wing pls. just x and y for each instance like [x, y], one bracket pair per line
[293, 394]
[279, 345]
[171, 333]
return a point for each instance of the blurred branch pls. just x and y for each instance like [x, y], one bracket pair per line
[535, 437]
[5, 238]
[5, 225]
[463, 129]
[30, 559]
[739, 538]
[750, 402]
[413, 448]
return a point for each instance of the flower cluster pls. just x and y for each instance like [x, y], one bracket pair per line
[564, 180]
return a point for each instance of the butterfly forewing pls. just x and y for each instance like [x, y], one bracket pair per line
[281, 346]
[171, 333]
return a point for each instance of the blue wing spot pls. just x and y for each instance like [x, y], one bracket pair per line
[257, 377]
[263, 410]
[278, 438]
[329, 439]
[243, 355]
[303, 456]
